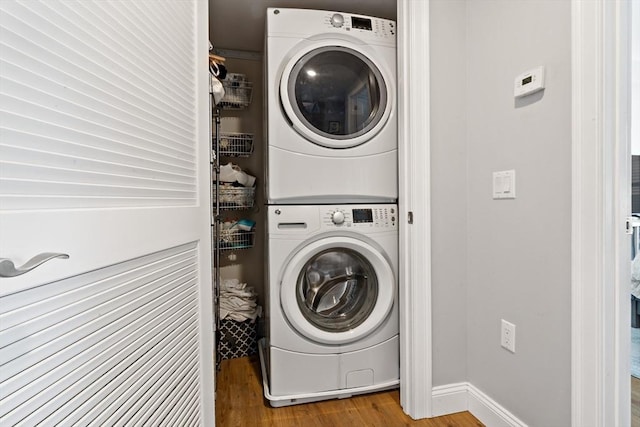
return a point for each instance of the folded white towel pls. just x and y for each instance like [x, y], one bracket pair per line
[238, 301]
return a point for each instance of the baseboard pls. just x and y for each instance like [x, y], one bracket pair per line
[452, 398]
[449, 399]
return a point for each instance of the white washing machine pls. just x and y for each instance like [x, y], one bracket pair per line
[331, 112]
[332, 302]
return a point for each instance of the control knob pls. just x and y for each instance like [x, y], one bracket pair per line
[337, 217]
[337, 20]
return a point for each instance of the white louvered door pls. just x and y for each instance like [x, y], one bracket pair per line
[104, 154]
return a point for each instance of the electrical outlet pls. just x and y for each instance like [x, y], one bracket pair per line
[508, 336]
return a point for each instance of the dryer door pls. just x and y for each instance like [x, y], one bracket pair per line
[335, 96]
[337, 290]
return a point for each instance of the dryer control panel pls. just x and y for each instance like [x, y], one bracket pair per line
[304, 23]
[360, 216]
[375, 26]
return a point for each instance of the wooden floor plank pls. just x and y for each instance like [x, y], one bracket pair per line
[240, 403]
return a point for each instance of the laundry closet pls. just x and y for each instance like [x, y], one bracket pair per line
[237, 33]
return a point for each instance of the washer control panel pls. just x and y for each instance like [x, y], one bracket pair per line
[360, 216]
[376, 26]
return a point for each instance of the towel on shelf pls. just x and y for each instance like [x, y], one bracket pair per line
[238, 301]
[233, 173]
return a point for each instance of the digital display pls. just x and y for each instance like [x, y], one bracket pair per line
[527, 80]
[361, 23]
[362, 215]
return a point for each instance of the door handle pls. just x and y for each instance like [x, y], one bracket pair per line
[8, 268]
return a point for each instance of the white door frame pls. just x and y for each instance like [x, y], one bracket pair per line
[415, 185]
[600, 181]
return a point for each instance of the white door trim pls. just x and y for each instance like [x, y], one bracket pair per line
[207, 333]
[600, 265]
[414, 192]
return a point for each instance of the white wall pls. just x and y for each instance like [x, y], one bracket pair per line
[448, 190]
[517, 252]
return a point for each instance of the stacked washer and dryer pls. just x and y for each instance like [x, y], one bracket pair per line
[331, 190]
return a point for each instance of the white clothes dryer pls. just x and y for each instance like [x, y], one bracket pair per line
[332, 303]
[331, 113]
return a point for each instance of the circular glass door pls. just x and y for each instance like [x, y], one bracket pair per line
[337, 290]
[335, 96]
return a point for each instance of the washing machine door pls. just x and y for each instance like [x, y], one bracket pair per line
[335, 95]
[337, 290]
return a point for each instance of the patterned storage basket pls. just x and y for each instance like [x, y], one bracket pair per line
[237, 339]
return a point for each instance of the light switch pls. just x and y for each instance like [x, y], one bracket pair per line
[504, 184]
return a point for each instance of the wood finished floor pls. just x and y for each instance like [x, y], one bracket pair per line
[240, 403]
[635, 402]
